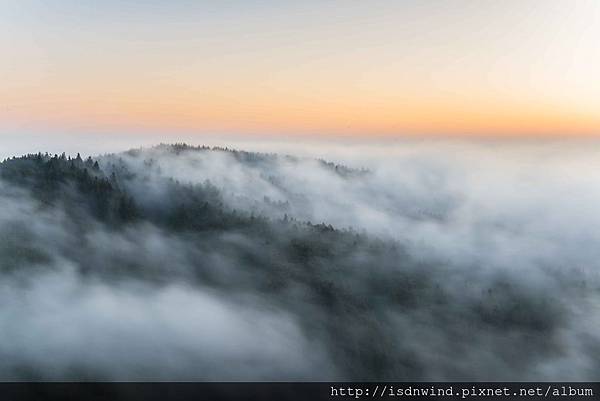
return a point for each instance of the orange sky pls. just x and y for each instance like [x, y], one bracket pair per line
[338, 68]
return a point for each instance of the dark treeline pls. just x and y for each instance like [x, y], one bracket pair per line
[72, 182]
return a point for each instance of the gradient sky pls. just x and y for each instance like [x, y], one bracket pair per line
[513, 67]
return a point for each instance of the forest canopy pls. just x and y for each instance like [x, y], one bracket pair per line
[184, 262]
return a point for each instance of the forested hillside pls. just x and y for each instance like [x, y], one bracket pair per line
[135, 272]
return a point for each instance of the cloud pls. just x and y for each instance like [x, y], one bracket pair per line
[478, 262]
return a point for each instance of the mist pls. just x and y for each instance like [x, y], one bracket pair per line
[414, 260]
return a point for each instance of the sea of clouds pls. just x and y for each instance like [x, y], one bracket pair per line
[499, 224]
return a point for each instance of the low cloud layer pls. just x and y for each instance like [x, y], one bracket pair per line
[461, 261]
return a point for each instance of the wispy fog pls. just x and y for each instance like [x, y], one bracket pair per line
[457, 260]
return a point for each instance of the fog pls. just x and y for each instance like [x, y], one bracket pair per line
[485, 267]
[471, 202]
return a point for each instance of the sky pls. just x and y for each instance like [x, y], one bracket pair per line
[283, 68]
